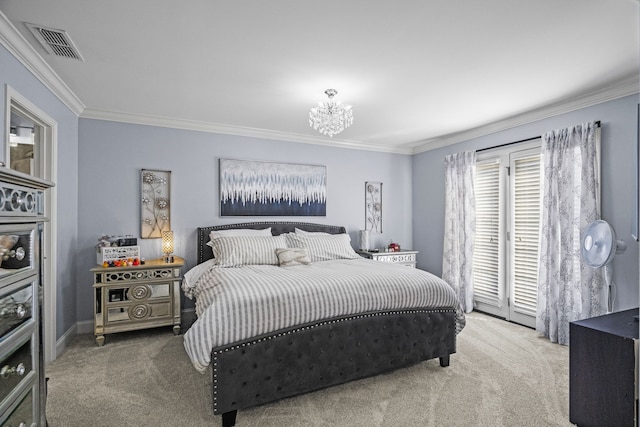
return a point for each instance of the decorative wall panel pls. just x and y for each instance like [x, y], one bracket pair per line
[253, 188]
[155, 204]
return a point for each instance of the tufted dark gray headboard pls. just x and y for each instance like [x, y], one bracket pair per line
[277, 228]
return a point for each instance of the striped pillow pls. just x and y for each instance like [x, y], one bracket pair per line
[234, 232]
[324, 248]
[310, 233]
[235, 251]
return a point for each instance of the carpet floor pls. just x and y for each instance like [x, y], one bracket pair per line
[503, 375]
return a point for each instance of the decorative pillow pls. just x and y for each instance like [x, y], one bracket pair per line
[292, 256]
[238, 232]
[324, 248]
[235, 251]
[311, 233]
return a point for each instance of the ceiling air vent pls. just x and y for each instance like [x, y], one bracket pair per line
[56, 42]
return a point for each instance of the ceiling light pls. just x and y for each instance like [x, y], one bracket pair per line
[331, 117]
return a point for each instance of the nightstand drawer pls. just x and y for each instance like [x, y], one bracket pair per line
[136, 312]
[122, 275]
[140, 292]
[395, 258]
[404, 257]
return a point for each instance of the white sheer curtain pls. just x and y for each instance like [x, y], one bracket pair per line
[568, 289]
[459, 228]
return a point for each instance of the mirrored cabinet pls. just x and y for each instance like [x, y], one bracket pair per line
[136, 297]
[22, 376]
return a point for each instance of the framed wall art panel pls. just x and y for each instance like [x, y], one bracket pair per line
[255, 188]
[155, 206]
[373, 206]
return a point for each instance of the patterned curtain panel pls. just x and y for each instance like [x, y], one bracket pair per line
[568, 289]
[459, 226]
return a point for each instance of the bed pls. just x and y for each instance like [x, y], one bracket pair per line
[302, 327]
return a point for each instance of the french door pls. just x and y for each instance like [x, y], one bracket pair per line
[505, 261]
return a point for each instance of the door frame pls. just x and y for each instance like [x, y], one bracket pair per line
[503, 307]
[48, 167]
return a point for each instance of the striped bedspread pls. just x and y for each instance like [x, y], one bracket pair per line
[238, 303]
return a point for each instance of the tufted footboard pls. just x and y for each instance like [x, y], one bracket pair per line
[323, 354]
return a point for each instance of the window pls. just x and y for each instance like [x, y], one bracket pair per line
[488, 248]
[505, 261]
[24, 143]
[27, 133]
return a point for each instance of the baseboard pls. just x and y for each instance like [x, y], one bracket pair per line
[65, 339]
[84, 327]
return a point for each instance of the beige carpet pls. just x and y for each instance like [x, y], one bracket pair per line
[502, 375]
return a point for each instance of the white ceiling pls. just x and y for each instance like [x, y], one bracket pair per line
[419, 74]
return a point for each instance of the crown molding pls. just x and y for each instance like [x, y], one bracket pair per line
[219, 128]
[20, 48]
[625, 87]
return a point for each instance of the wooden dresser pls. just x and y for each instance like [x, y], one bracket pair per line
[22, 383]
[602, 370]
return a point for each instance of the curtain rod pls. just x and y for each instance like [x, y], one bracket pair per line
[518, 142]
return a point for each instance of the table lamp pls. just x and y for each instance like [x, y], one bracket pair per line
[167, 246]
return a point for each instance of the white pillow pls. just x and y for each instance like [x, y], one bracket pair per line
[311, 233]
[235, 251]
[324, 248]
[238, 232]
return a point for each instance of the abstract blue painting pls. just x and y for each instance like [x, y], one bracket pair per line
[255, 188]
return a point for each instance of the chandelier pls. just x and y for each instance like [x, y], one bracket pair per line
[331, 117]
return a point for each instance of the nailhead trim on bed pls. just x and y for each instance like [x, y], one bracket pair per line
[414, 335]
[443, 341]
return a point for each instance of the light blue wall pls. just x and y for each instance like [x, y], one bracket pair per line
[98, 192]
[619, 139]
[20, 79]
[111, 155]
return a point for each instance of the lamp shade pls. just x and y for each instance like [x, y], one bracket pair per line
[364, 240]
[167, 242]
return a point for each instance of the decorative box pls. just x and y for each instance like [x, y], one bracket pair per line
[114, 253]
